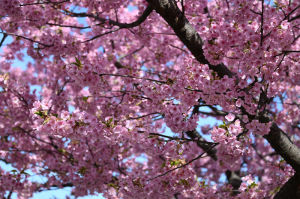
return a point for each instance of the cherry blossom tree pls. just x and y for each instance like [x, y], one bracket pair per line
[113, 75]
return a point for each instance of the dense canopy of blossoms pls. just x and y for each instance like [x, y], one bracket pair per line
[108, 77]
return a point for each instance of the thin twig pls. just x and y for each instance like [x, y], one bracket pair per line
[181, 166]
[129, 76]
[100, 35]
[139, 21]
[3, 39]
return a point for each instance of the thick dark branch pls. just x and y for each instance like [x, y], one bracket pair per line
[203, 144]
[282, 144]
[233, 177]
[186, 32]
[294, 18]
[292, 11]
[291, 189]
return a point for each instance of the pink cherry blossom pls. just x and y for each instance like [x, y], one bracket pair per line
[150, 99]
[230, 117]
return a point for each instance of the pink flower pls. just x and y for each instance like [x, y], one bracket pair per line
[230, 117]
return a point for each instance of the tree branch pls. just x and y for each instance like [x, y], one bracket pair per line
[291, 189]
[188, 35]
[283, 145]
[139, 21]
[203, 144]
[169, 10]
[3, 39]
[183, 165]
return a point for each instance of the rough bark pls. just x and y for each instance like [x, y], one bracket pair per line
[283, 145]
[168, 10]
[203, 144]
[291, 189]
